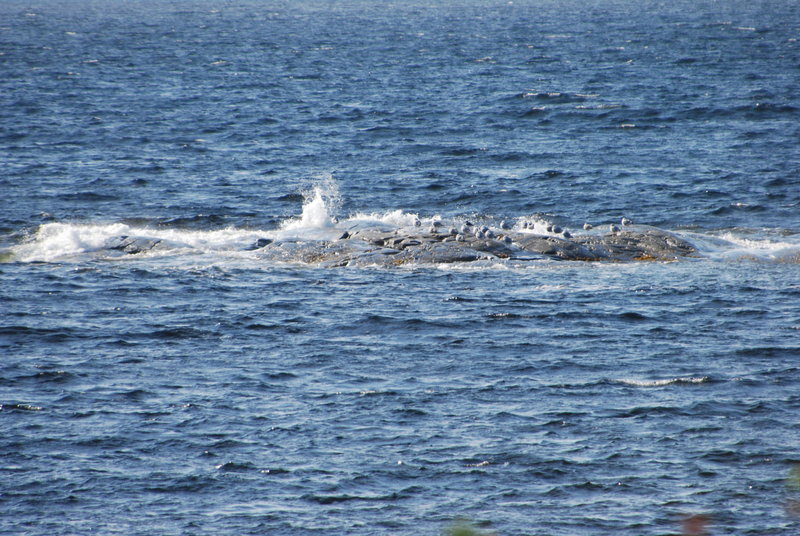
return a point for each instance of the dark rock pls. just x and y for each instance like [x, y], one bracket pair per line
[132, 244]
[260, 243]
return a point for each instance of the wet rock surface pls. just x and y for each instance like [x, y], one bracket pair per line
[392, 248]
[132, 244]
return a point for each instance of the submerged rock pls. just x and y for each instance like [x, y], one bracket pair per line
[132, 244]
[260, 243]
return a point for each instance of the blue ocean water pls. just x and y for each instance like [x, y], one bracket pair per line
[200, 387]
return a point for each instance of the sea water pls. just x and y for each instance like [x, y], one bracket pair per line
[200, 388]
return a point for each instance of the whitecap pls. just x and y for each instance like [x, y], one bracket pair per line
[53, 241]
[394, 218]
[663, 382]
[752, 245]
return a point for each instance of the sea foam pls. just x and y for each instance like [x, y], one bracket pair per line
[664, 382]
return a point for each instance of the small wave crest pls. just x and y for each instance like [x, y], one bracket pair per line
[394, 219]
[689, 380]
[55, 242]
[746, 244]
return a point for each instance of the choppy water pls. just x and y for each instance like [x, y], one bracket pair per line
[200, 388]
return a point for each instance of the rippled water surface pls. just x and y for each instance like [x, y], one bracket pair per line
[197, 385]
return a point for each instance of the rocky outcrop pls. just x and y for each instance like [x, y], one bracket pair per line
[394, 247]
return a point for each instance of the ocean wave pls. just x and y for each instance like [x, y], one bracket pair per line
[758, 245]
[688, 380]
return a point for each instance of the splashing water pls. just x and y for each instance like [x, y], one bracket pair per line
[53, 241]
[320, 204]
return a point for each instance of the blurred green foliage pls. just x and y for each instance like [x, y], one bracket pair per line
[793, 481]
[464, 528]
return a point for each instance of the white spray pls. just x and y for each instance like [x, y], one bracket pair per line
[319, 207]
